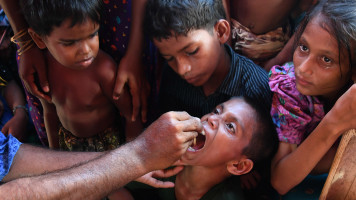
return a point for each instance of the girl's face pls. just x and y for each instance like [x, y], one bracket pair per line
[320, 69]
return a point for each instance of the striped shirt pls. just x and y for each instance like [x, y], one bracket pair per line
[243, 79]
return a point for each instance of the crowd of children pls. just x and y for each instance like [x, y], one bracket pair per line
[292, 62]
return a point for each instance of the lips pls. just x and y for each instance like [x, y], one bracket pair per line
[302, 81]
[198, 143]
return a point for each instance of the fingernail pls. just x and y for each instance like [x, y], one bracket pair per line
[45, 89]
[116, 97]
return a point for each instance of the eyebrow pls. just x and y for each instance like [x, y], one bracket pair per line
[184, 48]
[74, 40]
[328, 53]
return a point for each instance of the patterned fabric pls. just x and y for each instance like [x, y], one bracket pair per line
[244, 79]
[258, 48]
[107, 140]
[295, 115]
[9, 146]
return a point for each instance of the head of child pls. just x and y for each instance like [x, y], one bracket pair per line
[325, 54]
[190, 35]
[67, 28]
[238, 135]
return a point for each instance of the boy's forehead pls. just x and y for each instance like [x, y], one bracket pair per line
[179, 42]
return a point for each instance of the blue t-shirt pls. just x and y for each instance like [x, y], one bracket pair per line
[9, 146]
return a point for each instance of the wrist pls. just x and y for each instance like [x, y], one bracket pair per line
[17, 109]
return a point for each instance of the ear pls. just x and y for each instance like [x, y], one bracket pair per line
[240, 167]
[37, 38]
[222, 29]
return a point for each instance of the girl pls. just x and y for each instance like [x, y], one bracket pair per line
[309, 91]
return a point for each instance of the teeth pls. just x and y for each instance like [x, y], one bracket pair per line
[191, 149]
[203, 132]
[194, 141]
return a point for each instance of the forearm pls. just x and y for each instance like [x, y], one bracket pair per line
[91, 180]
[32, 161]
[13, 12]
[135, 45]
[294, 167]
[13, 95]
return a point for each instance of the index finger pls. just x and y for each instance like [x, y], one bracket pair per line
[192, 124]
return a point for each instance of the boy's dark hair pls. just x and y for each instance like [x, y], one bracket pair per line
[264, 142]
[43, 15]
[340, 19]
[166, 18]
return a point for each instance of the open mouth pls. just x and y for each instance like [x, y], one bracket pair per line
[198, 142]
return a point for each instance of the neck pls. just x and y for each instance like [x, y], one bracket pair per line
[219, 74]
[194, 181]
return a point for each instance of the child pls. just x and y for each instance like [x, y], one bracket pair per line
[191, 36]
[238, 135]
[262, 30]
[305, 94]
[82, 115]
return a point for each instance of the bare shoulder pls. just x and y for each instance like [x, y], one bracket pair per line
[105, 65]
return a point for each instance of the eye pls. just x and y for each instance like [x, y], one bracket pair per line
[94, 34]
[216, 111]
[327, 60]
[231, 127]
[168, 59]
[193, 52]
[68, 43]
[303, 48]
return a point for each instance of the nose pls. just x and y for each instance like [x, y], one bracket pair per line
[306, 67]
[183, 66]
[84, 48]
[213, 121]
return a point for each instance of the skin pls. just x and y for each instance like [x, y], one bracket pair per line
[83, 77]
[174, 132]
[260, 16]
[318, 73]
[18, 123]
[130, 68]
[228, 130]
[200, 57]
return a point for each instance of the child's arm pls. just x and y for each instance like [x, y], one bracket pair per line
[52, 122]
[31, 61]
[130, 67]
[124, 103]
[16, 100]
[285, 55]
[292, 164]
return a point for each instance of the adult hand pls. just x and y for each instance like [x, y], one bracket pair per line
[32, 62]
[130, 71]
[167, 139]
[151, 177]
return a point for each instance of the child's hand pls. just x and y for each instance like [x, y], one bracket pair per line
[131, 71]
[32, 62]
[150, 178]
[343, 114]
[17, 125]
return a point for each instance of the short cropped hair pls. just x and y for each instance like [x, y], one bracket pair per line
[166, 18]
[43, 15]
[264, 142]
